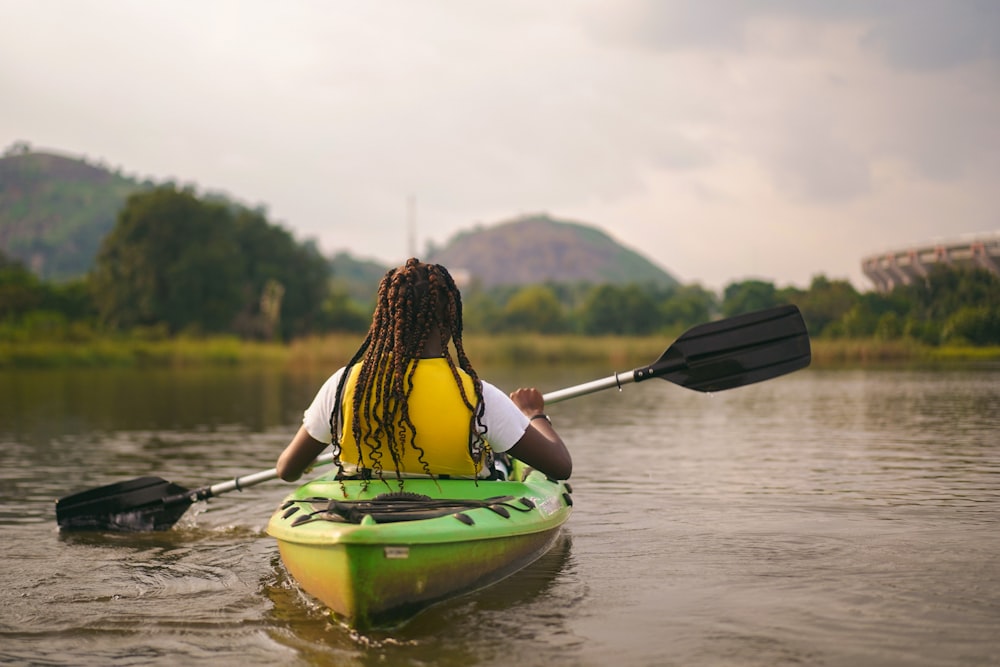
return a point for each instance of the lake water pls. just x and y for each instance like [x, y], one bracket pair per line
[830, 517]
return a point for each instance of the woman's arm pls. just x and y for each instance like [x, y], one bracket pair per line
[540, 446]
[298, 455]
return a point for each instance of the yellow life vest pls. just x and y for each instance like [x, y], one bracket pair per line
[438, 413]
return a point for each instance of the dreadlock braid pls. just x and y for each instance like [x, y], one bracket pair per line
[413, 302]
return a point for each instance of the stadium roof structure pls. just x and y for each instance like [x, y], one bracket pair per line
[911, 263]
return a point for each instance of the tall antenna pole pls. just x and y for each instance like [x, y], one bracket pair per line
[411, 217]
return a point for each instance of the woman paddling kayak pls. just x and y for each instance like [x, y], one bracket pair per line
[402, 406]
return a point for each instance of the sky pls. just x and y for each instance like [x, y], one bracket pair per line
[724, 140]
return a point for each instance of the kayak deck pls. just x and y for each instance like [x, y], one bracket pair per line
[376, 553]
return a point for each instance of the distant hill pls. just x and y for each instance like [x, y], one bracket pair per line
[538, 249]
[55, 210]
[529, 250]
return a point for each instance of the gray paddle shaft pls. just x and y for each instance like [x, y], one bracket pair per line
[241, 483]
[616, 380]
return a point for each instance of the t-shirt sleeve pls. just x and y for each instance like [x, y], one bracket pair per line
[505, 423]
[316, 418]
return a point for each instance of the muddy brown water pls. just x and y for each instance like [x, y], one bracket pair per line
[841, 517]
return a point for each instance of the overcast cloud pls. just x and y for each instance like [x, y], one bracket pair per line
[722, 139]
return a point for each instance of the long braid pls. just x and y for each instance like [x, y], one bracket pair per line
[369, 390]
[477, 427]
[419, 304]
[411, 300]
[336, 418]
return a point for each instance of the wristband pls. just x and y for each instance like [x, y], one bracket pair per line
[540, 415]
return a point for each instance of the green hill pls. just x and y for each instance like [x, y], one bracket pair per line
[539, 249]
[55, 210]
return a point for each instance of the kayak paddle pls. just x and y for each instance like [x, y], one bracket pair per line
[146, 503]
[720, 355]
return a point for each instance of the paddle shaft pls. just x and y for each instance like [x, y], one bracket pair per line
[237, 484]
[616, 380]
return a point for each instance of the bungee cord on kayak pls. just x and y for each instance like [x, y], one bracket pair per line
[401, 506]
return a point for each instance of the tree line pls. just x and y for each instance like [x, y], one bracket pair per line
[178, 264]
[960, 306]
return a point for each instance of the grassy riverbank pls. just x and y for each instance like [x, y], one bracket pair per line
[624, 353]
[831, 353]
[621, 353]
[509, 349]
[107, 352]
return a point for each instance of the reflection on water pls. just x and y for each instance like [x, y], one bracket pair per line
[830, 517]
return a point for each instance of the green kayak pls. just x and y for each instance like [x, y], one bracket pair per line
[377, 552]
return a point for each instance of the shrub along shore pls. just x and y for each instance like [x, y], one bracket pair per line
[619, 352]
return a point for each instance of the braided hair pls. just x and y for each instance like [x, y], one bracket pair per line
[414, 302]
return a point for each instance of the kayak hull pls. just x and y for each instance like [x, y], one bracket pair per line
[382, 568]
[364, 588]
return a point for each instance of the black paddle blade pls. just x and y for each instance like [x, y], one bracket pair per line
[735, 352]
[140, 504]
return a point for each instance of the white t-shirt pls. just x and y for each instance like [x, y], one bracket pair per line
[505, 423]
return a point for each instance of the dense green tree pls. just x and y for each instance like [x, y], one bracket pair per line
[601, 311]
[748, 296]
[858, 322]
[341, 313]
[481, 311]
[169, 259]
[201, 266]
[688, 305]
[31, 309]
[623, 310]
[533, 308]
[945, 291]
[825, 303]
[923, 330]
[20, 290]
[975, 325]
[72, 299]
[888, 326]
[871, 313]
[641, 310]
[299, 271]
